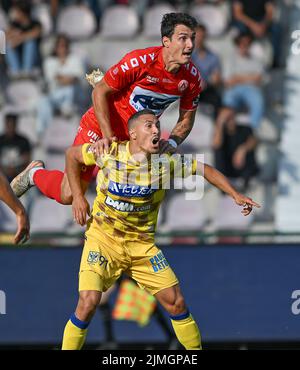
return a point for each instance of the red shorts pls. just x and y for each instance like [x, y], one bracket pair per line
[86, 135]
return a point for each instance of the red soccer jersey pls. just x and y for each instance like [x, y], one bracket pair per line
[141, 81]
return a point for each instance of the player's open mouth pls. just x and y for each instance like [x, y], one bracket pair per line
[155, 140]
[187, 54]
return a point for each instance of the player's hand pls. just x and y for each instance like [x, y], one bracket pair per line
[246, 203]
[102, 146]
[259, 30]
[80, 209]
[166, 147]
[22, 234]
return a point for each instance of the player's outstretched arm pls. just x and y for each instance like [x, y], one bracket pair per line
[217, 179]
[8, 197]
[80, 206]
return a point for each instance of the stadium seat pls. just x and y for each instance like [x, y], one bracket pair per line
[77, 22]
[124, 20]
[23, 95]
[27, 127]
[3, 21]
[49, 216]
[111, 53]
[41, 12]
[229, 216]
[201, 135]
[60, 134]
[152, 20]
[213, 17]
[55, 161]
[262, 50]
[183, 214]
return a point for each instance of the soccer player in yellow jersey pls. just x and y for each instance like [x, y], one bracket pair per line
[120, 232]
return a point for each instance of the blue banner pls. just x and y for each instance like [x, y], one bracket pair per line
[235, 293]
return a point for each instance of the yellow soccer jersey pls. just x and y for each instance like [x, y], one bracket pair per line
[129, 191]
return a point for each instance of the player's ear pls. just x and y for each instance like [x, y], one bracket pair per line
[166, 41]
[132, 134]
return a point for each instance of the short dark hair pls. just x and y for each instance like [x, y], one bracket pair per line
[171, 20]
[61, 37]
[138, 114]
[11, 117]
[241, 35]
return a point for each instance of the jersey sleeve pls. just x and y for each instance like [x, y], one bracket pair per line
[88, 156]
[124, 73]
[190, 98]
[102, 161]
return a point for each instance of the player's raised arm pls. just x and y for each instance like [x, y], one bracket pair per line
[183, 126]
[100, 96]
[217, 179]
[8, 197]
[74, 161]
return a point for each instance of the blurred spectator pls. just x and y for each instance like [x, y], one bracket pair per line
[23, 37]
[209, 65]
[15, 150]
[62, 71]
[257, 17]
[6, 5]
[217, 2]
[235, 155]
[242, 79]
[3, 80]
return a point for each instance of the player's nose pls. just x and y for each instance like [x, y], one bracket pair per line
[155, 129]
[189, 44]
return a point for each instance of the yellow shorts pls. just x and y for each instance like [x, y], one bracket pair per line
[104, 258]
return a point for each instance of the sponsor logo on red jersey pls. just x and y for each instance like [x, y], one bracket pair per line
[183, 85]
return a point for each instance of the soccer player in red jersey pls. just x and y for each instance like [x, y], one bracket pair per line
[150, 78]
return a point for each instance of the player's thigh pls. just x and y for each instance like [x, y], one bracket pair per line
[152, 272]
[101, 262]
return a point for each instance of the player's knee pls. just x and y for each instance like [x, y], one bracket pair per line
[66, 199]
[89, 301]
[177, 307]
